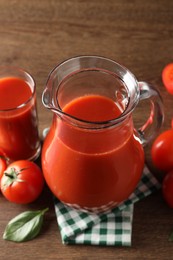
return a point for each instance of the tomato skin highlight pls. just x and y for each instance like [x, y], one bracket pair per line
[27, 182]
[167, 77]
[162, 151]
[167, 188]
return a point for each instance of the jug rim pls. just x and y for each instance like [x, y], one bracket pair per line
[86, 123]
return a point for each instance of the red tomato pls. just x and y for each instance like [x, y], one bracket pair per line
[3, 163]
[172, 123]
[162, 151]
[22, 182]
[167, 188]
[167, 77]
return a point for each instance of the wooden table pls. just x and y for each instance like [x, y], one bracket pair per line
[36, 35]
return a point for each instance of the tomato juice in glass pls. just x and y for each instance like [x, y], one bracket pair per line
[18, 116]
[93, 157]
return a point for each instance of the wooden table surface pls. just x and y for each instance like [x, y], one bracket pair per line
[36, 35]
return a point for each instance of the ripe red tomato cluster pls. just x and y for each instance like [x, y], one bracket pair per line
[162, 148]
[20, 181]
[162, 157]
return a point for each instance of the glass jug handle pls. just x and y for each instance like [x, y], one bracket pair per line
[153, 124]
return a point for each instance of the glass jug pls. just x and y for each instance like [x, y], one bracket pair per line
[93, 157]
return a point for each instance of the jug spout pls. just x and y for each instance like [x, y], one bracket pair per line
[49, 101]
[46, 98]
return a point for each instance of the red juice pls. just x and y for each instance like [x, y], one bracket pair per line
[18, 122]
[92, 168]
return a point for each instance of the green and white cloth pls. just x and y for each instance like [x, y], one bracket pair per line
[108, 229]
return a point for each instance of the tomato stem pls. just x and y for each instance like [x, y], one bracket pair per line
[9, 175]
[12, 174]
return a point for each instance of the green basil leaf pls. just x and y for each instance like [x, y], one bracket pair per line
[24, 226]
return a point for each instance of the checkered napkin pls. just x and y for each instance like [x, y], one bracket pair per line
[109, 229]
